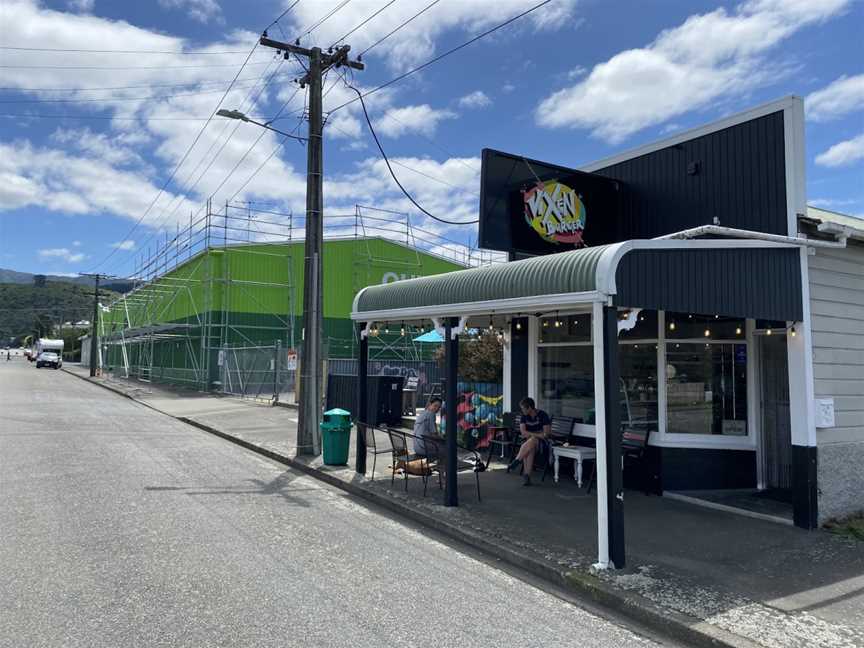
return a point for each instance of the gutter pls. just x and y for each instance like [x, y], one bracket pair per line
[718, 230]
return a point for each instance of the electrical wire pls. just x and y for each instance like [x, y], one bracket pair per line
[115, 51]
[324, 19]
[151, 99]
[125, 67]
[221, 84]
[390, 168]
[212, 159]
[417, 15]
[445, 54]
[339, 40]
[182, 160]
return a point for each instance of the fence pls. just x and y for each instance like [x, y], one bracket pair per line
[260, 372]
[423, 373]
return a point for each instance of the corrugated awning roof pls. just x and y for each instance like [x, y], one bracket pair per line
[736, 277]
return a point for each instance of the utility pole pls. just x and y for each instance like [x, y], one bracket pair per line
[94, 325]
[308, 434]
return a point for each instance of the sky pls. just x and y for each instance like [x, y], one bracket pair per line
[107, 150]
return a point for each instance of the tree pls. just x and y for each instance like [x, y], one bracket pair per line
[481, 358]
[39, 280]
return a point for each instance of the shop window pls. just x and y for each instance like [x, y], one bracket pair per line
[706, 388]
[638, 364]
[565, 328]
[689, 326]
[645, 327]
[567, 382]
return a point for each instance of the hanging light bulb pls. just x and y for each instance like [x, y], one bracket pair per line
[768, 332]
[545, 323]
[738, 330]
[402, 330]
[387, 328]
[792, 331]
[671, 326]
[491, 326]
[518, 325]
[707, 332]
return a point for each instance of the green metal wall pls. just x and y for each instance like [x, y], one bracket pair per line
[257, 291]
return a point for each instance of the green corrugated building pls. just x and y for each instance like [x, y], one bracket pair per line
[173, 328]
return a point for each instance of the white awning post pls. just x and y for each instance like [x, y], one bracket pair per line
[600, 436]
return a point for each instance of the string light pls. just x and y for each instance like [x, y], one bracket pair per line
[738, 330]
[545, 323]
[491, 326]
[387, 328]
[768, 332]
[707, 332]
[792, 332]
[518, 325]
[402, 330]
[671, 326]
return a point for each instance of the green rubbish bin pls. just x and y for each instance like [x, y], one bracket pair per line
[336, 436]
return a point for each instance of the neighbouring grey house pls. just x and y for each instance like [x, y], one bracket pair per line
[836, 286]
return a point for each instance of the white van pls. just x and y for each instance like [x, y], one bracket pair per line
[49, 353]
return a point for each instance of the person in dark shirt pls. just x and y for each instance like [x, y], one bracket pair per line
[535, 425]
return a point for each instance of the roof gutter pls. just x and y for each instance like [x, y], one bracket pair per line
[718, 230]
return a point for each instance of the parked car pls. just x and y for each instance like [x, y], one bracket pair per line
[48, 359]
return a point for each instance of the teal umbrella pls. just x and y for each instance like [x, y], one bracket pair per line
[431, 336]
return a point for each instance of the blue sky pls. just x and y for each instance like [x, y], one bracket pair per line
[572, 82]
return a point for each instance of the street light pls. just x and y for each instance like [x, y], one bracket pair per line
[236, 114]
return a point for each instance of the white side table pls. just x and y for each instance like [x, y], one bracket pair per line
[578, 453]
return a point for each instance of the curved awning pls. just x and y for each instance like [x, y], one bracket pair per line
[744, 278]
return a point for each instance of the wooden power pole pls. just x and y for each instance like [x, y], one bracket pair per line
[311, 367]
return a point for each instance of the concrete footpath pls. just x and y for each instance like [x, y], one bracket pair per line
[704, 577]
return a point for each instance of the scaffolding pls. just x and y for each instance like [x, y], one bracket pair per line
[229, 281]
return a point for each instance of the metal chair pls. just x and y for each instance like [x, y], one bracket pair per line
[372, 445]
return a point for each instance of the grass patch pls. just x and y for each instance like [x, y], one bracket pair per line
[850, 527]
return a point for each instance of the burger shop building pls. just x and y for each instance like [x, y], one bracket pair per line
[677, 296]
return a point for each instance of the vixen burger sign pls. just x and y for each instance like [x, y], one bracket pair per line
[533, 207]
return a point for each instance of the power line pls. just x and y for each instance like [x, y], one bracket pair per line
[131, 87]
[150, 99]
[207, 155]
[183, 159]
[445, 54]
[324, 19]
[339, 40]
[282, 15]
[102, 117]
[117, 51]
[390, 168]
[125, 67]
[417, 15]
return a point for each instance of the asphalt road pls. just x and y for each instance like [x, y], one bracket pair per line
[120, 526]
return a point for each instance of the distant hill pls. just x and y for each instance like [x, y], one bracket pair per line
[15, 277]
[30, 309]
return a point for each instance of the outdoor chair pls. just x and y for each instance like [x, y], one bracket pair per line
[634, 445]
[400, 452]
[506, 435]
[372, 445]
[431, 460]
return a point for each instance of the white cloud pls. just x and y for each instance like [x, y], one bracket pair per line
[84, 6]
[843, 153]
[73, 184]
[576, 72]
[416, 41]
[62, 253]
[507, 88]
[76, 243]
[843, 96]
[707, 57]
[412, 119]
[128, 244]
[112, 149]
[476, 99]
[201, 10]
[831, 202]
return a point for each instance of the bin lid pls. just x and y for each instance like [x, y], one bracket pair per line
[336, 411]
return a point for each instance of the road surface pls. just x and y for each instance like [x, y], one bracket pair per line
[123, 527]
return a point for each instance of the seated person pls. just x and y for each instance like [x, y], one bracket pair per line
[426, 426]
[534, 426]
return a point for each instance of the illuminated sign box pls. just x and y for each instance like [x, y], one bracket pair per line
[533, 207]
